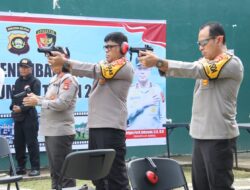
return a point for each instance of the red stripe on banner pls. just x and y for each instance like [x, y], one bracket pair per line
[149, 133]
[153, 33]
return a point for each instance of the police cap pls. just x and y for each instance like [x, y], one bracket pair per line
[25, 63]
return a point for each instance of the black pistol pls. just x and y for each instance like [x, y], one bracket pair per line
[48, 50]
[26, 91]
[137, 49]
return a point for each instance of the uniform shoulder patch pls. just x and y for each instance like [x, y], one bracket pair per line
[213, 68]
[109, 70]
[66, 84]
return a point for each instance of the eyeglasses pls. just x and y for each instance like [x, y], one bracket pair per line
[109, 47]
[204, 42]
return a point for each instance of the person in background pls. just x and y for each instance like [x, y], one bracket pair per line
[57, 118]
[213, 125]
[146, 102]
[2, 76]
[107, 114]
[26, 120]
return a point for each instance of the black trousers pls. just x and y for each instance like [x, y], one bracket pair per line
[212, 164]
[105, 138]
[58, 147]
[26, 133]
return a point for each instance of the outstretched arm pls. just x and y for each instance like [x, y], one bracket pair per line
[119, 69]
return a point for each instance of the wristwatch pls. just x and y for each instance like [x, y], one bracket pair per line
[159, 63]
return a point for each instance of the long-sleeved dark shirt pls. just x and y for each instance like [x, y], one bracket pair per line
[20, 84]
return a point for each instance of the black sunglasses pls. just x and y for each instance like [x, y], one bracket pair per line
[204, 42]
[108, 47]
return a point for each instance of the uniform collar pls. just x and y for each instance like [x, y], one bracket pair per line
[60, 75]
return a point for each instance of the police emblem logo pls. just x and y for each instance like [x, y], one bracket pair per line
[205, 82]
[24, 61]
[45, 38]
[18, 42]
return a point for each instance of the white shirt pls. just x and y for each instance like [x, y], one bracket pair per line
[2, 76]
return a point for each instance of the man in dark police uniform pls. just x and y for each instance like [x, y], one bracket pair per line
[26, 119]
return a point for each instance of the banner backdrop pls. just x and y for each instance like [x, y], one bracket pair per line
[22, 34]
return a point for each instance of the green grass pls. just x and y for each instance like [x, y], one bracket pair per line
[238, 174]
[45, 184]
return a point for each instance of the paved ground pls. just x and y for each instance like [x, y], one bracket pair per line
[240, 184]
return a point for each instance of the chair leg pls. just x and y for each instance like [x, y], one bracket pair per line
[8, 187]
[186, 187]
[58, 187]
[17, 186]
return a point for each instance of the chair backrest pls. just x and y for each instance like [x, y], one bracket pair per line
[4, 147]
[169, 172]
[5, 152]
[88, 164]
